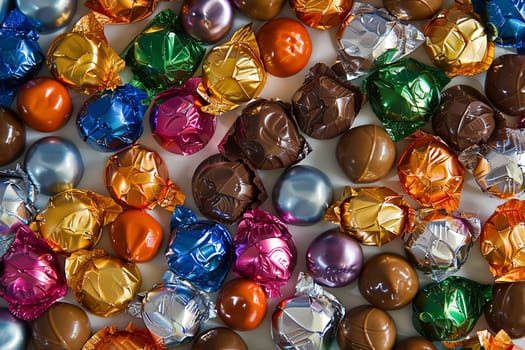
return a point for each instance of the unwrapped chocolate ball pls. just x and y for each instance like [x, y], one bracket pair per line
[506, 309]
[219, 338]
[12, 136]
[503, 81]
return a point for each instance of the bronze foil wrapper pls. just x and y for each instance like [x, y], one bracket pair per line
[321, 14]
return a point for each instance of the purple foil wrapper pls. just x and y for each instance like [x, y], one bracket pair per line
[264, 251]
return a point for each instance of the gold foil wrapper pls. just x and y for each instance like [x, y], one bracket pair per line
[82, 58]
[372, 215]
[233, 73]
[430, 172]
[321, 14]
[74, 219]
[138, 177]
[101, 283]
[123, 11]
[131, 338]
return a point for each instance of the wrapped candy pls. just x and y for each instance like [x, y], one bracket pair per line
[500, 341]
[372, 215]
[448, 310]
[323, 14]
[138, 177]
[17, 197]
[308, 319]
[440, 242]
[430, 172]
[102, 283]
[162, 55]
[233, 73]
[404, 95]
[123, 11]
[265, 135]
[16, 332]
[264, 251]
[370, 36]
[112, 119]
[31, 276]
[131, 338]
[177, 121]
[74, 219]
[412, 10]
[199, 251]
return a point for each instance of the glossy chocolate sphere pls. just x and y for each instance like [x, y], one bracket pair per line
[207, 20]
[12, 136]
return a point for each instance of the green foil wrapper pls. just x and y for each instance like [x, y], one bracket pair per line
[448, 310]
[404, 95]
[162, 55]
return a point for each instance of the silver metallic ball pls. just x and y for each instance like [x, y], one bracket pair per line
[48, 15]
[207, 20]
[14, 332]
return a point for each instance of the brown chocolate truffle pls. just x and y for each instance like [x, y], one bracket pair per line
[415, 343]
[12, 136]
[388, 281]
[412, 10]
[503, 84]
[507, 309]
[62, 326]
[219, 338]
[366, 153]
[366, 327]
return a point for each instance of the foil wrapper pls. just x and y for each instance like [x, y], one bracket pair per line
[123, 11]
[31, 275]
[162, 55]
[112, 119]
[74, 219]
[199, 251]
[17, 197]
[412, 10]
[138, 177]
[370, 36]
[233, 72]
[498, 341]
[131, 338]
[440, 242]
[324, 14]
[102, 283]
[448, 310]
[404, 95]
[372, 215]
[307, 320]
[177, 121]
[265, 251]
[430, 172]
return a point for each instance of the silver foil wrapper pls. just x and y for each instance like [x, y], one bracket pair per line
[441, 242]
[308, 320]
[370, 36]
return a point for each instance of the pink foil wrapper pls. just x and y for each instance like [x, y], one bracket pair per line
[177, 122]
[31, 277]
[264, 251]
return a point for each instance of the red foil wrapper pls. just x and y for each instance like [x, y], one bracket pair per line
[123, 11]
[430, 172]
[324, 14]
[31, 276]
[109, 338]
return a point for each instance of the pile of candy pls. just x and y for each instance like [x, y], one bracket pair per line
[218, 218]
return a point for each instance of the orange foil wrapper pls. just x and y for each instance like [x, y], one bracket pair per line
[500, 341]
[110, 338]
[138, 177]
[123, 11]
[102, 283]
[372, 215]
[74, 219]
[82, 58]
[321, 14]
[502, 241]
[430, 172]
[233, 73]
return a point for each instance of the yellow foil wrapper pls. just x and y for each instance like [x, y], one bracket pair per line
[372, 215]
[138, 177]
[83, 60]
[502, 241]
[103, 284]
[233, 73]
[457, 43]
[74, 219]
[109, 338]
[430, 172]
[321, 14]
[123, 11]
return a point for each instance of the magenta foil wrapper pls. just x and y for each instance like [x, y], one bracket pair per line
[177, 122]
[31, 277]
[264, 251]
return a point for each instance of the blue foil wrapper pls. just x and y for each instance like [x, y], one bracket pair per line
[112, 120]
[199, 251]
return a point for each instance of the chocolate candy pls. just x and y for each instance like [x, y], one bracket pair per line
[12, 136]
[259, 9]
[366, 327]
[15, 332]
[323, 14]
[207, 21]
[412, 10]
[266, 136]
[219, 338]
[122, 11]
[502, 82]
[376, 156]
[131, 338]
[224, 189]
[414, 343]
[506, 309]
[62, 326]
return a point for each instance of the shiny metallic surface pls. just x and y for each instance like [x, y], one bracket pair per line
[207, 20]
[48, 15]
[4, 7]
[14, 333]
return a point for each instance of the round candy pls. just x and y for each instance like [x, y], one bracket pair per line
[506, 310]
[54, 164]
[44, 104]
[12, 136]
[110, 338]
[48, 15]
[285, 46]
[503, 81]
[259, 9]
[412, 10]
[62, 326]
[241, 304]
[376, 156]
[219, 338]
[205, 20]
[301, 195]
[15, 332]
[388, 281]
[334, 259]
[135, 235]
[323, 14]
[415, 343]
